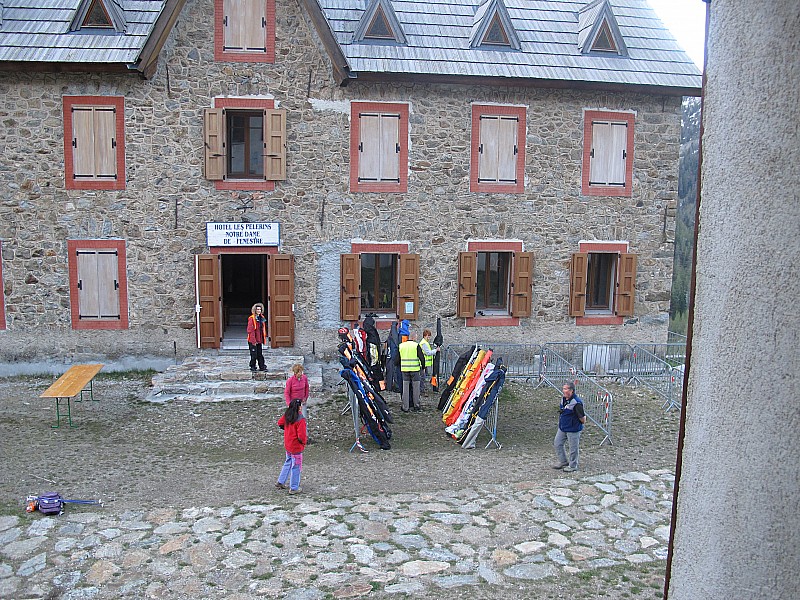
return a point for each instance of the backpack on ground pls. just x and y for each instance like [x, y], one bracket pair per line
[51, 503]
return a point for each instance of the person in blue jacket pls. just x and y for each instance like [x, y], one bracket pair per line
[570, 424]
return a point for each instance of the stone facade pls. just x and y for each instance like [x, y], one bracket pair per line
[162, 212]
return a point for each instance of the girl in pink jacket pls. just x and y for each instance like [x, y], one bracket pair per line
[297, 387]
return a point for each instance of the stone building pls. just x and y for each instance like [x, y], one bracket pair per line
[509, 168]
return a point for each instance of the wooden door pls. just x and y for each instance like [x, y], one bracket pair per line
[280, 310]
[408, 286]
[208, 306]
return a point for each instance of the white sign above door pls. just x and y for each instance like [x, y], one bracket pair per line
[243, 234]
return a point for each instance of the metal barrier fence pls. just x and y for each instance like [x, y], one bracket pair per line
[676, 338]
[597, 400]
[652, 372]
[674, 354]
[521, 360]
[598, 360]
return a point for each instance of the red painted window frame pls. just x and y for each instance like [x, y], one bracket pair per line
[220, 55]
[589, 116]
[69, 160]
[72, 263]
[610, 248]
[2, 293]
[244, 184]
[356, 108]
[501, 188]
[493, 246]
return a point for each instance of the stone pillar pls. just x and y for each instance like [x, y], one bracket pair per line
[737, 532]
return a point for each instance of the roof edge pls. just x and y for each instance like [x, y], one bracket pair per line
[341, 67]
[147, 61]
[654, 90]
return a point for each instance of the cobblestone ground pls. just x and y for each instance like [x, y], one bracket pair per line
[599, 533]
[486, 537]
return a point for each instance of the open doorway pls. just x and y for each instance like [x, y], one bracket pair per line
[244, 282]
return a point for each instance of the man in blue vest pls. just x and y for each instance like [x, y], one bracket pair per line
[411, 361]
[570, 424]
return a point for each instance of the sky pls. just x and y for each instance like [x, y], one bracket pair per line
[686, 19]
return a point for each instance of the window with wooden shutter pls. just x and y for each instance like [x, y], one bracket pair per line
[408, 286]
[379, 147]
[244, 30]
[608, 153]
[467, 284]
[579, 266]
[350, 281]
[94, 142]
[498, 149]
[98, 284]
[626, 286]
[275, 144]
[245, 144]
[522, 285]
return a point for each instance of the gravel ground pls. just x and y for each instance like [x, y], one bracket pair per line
[139, 456]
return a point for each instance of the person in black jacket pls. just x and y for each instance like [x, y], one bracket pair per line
[570, 424]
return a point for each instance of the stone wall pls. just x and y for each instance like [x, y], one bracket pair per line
[163, 210]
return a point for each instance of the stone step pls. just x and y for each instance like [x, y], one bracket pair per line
[228, 378]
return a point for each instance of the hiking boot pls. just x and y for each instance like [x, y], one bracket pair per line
[253, 369]
[281, 486]
[569, 469]
[560, 465]
[297, 491]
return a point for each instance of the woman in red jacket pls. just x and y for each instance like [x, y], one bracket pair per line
[295, 438]
[257, 336]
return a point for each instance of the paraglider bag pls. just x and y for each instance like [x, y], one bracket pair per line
[51, 503]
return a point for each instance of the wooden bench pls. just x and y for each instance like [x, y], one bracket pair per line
[69, 385]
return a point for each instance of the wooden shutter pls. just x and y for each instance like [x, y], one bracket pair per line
[379, 147]
[105, 142]
[467, 284]
[88, 301]
[275, 144]
[487, 150]
[209, 300]
[214, 137]
[408, 286]
[607, 160]
[579, 266]
[390, 148]
[521, 285]
[82, 142]
[600, 153]
[254, 25]
[507, 150]
[108, 284]
[618, 154]
[350, 279]
[280, 310]
[626, 286]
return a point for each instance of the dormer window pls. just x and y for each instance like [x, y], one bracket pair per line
[379, 28]
[492, 26]
[379, 22]
[97, 16]
[103, 15]
[495, 34]
[598, 31]
[604, 41]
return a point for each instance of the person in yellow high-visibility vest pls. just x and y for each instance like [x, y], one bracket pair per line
[425, 345]
[411, 361]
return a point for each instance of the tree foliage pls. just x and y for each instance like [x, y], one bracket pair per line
[685, 220]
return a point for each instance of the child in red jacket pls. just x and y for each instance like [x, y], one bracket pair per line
[295, 438]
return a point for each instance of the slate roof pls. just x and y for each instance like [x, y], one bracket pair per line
[438, 33]
[38, 31]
